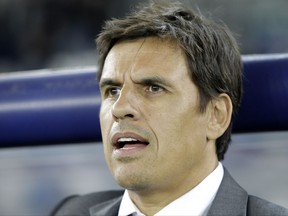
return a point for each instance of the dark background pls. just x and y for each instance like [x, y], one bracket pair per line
[37, 34]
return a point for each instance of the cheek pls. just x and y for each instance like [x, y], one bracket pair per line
[105, 118]
[105, 124]
[105, 113]
[178, 125]
[166, 127]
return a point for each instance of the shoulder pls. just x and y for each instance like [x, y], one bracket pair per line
[232, 199]
[80, 204]
[258, 206]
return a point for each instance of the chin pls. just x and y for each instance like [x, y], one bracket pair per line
[132, 182]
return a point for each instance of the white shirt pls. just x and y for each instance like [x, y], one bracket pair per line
[195, 202]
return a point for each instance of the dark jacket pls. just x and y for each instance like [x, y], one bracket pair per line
[230, 200]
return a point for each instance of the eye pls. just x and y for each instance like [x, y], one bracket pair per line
[113, 91]
[155, 89]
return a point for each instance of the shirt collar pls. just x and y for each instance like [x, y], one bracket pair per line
[127, 207]
[195, 202]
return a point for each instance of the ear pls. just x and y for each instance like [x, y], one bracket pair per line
[220, 112]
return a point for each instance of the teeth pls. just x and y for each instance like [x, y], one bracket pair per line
[127, 139]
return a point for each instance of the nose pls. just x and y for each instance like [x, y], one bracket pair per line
[125, 106]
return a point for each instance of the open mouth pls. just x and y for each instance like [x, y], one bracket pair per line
[129, 142]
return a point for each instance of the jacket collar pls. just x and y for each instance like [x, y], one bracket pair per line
[108, 208]
[231, 198]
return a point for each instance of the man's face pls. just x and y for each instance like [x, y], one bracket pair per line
[153, 132]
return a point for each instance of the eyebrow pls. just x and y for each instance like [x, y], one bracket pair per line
[153, 80]
[142, 81]
[108, 82]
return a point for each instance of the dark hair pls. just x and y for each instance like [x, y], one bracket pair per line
[212, 53]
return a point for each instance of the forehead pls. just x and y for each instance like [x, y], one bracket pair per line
[149, 55]
[148, 44]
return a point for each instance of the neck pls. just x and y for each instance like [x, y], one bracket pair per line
[151, 200]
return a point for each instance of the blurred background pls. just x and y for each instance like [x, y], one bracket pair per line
[61, 33]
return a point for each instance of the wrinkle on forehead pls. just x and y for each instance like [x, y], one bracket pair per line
[136, 54]
[162, 48]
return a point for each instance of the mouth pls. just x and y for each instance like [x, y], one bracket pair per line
[128, 141]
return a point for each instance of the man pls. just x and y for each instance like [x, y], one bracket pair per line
[171, 84]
